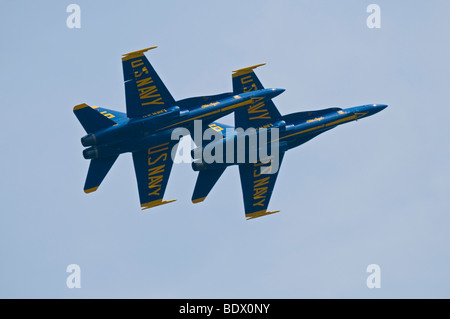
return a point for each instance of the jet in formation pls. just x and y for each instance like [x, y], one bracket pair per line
[153, 115]
[146, 128]
[257, 177]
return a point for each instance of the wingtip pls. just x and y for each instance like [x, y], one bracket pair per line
[198, 200]
[90, 190]
[246, 70]
[155, 203]
[259, 214]
[134, 54]
[80, 106]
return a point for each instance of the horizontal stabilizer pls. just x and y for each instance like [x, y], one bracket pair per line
[98, 169]
[116, 116]
[90, 119]
[205, 182]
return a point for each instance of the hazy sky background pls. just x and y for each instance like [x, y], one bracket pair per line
[374, 191]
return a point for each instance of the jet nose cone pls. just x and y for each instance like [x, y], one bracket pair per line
[377, 108]
[380, 107]
[275, 92]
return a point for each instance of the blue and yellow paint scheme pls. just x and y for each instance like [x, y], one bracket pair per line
[293, 130]
[145, 129]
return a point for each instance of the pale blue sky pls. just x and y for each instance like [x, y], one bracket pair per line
[372, 191]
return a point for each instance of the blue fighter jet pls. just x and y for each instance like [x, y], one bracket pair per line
[146, 128]
[258, 179]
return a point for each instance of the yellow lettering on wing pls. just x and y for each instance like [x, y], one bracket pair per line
[136, 63]
[157, 169]
[158, 148]
[155, 192]
[260, 203]
[157, 155]
[246, 79]
[138, 74]
[259, 109]
[144, 81]
[155, 181]
[155, 101]
[259, 117]
[146, 92]
[250, 88]
[261, 182]
[259, 190]
[266, 169]
[260, 193]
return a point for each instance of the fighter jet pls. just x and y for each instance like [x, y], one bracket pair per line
[257, 176]
[146, 128]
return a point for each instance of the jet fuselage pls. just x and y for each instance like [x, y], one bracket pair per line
[135, 134]
[293, 130]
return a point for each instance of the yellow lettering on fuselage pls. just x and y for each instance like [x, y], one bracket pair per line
[316, 119]
[266, 126]
[210, 104]
[156, 113]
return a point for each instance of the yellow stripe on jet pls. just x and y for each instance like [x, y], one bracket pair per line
[156, 203]
[90, 190]
[135, 54]
[346, 119]
[349, 118]
[245, 70]
[80, 106]
[198, 200]
[211, 113]
[259, 214]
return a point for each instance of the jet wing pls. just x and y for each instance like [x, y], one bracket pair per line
[152, 167]
[145, 93]
[261, 111]
[257, 187]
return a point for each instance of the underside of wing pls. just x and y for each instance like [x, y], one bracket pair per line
[261, 111]
[152, 167]
[145, 93]
[258, 181]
